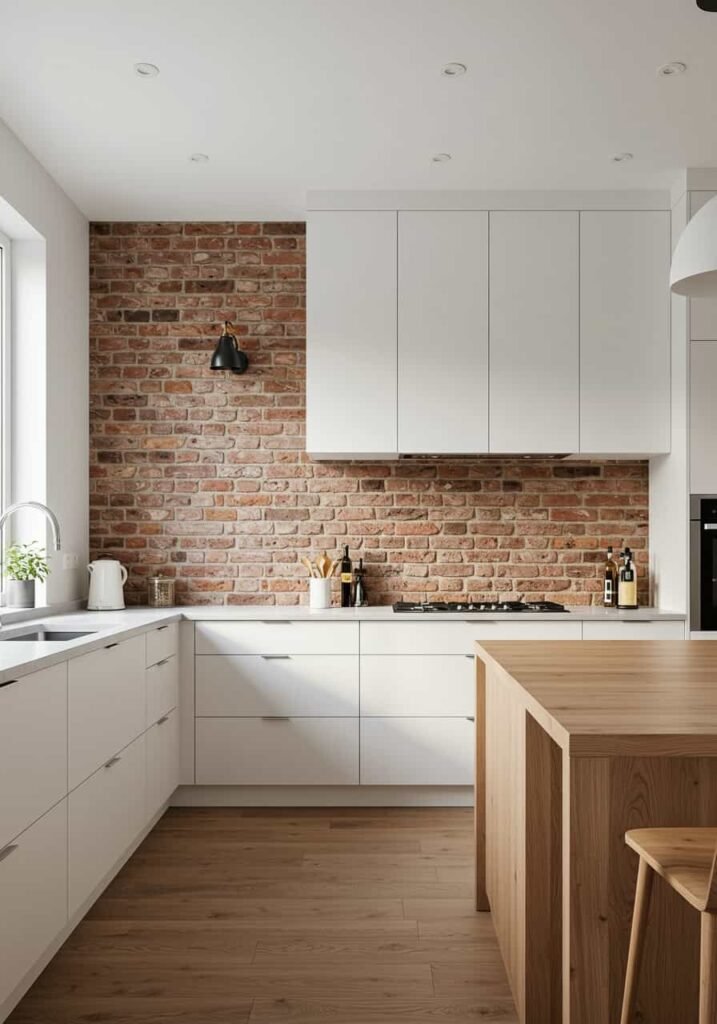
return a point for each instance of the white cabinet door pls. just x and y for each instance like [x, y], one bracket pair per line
[162, 743]
[277, 637]
[162, 682]
[33, 748]
[417, 752]
[106, 704]
[279, 752]
[351, 341]
[432, 637]
[634, 629]
[417, 685]
[162, 642]
[33, 895]
[106, 814]
[534, 331]
[703, 417]
[443, 331]
[624, 332]
[297, 685]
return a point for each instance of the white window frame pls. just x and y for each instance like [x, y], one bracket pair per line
[5, 369]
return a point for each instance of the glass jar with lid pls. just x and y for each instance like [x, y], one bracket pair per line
[160, 592]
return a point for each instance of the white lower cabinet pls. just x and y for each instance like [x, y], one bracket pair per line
[634, 629]
[459, 637]
[255, 685]
[33, 895]
[106, 813]
[417, 685]
[161, 642]
[107, 704]
[162, 750]
[417, 751]
[277, 751]
[162, 682]
[33, 748]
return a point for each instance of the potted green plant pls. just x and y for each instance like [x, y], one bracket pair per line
[24, 565]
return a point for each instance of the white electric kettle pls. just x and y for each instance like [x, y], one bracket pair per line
[107, 577]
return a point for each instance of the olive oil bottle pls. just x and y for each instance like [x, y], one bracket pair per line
[347, 578]
[627, 583]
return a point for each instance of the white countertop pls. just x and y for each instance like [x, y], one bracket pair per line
[18, 658]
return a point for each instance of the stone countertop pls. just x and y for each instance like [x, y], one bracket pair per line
[22, 657]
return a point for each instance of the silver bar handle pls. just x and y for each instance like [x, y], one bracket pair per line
[164, 661]
[276, 622]
[275, 718]
[5, 853]
[276, 657]
[483, 622]
[112, 761]
[470, 718]
[162, 720]
[470, 656]
[108, 647]
[8, 682]
[160, 628]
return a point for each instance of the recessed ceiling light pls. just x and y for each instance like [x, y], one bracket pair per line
[199, 158]
[441, 158]
[621, 158]
[145, 70]
[453, 69]
[675, 67]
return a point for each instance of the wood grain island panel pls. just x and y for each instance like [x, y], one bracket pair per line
[579, 742]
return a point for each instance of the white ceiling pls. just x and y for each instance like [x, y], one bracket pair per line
[290, 95]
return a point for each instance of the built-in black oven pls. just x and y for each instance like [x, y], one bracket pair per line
[703, 558]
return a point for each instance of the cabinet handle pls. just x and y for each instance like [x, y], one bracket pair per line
[275, 718]
[162, 720]
[8, 850]
[112, 761]
[160, 663]
[276, 657]
[276, 622]
[108, 647]
[469, 656]
[470, 718]
[8, 683]
[483, 622]
[160, 628]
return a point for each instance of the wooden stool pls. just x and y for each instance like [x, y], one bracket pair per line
[685, 858]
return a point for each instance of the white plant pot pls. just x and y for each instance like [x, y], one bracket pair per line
[319, 594]
[20, 593]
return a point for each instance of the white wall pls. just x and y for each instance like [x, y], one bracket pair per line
[32, 205]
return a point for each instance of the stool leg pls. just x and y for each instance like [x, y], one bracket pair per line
[643, 892]
[708, 969]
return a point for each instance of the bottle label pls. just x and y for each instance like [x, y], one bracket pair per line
[346, 577]
[627, 594]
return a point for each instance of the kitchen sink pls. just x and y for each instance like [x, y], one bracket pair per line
[49, 635]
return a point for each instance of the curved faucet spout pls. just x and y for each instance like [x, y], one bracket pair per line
[47, 512]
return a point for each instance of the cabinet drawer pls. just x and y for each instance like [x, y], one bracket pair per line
[417, 685]
[285, 637]
[283, 752]
[162, 743]
[33, 748]
[106, 813]
[161, 642]
[162, 688]
[626, 629]
[106, 704]
[250, 685]
[433, 637]
[33, 895]
[417, 752]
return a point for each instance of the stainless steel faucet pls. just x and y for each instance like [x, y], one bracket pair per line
[48, 513]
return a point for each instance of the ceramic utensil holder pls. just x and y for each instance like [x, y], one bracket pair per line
[319, 594]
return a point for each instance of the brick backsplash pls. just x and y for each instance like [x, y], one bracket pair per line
[203, 476]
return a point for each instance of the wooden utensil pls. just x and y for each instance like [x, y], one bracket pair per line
[305, 562]
[324, 564]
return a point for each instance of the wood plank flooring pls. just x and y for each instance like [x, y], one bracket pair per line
[259, 916]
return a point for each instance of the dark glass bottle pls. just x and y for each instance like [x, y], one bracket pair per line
[609, 596]
[360, 596]
[347, 578]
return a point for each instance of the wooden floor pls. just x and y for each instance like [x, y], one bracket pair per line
[228, 916]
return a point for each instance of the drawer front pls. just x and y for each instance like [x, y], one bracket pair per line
[33, 895]
[305, 685]
[286, 637]
[162, 742]
[107, 705]
[161, 642]
[624, 629]
[162, 682]
[417, 752]
[432, 637]
[33, 748]
[434, 685]
[106, 814]
[289, 752]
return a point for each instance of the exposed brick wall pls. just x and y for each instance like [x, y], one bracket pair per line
[203, 475]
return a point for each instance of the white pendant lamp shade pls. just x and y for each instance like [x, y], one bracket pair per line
[694, 263]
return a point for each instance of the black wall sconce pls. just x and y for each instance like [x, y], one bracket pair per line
[227, 354]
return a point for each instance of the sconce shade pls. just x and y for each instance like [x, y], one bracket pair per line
[694, 263]
[227, 354]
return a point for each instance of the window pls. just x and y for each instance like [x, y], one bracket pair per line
[5, 270]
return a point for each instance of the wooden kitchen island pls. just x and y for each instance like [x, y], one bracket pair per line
[578, 741]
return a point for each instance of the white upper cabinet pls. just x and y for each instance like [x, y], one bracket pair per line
[624, 332]
[703, 417]
[442, 332]
[534, 331]
[351, 347]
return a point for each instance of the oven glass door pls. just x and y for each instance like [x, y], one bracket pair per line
[708, 565]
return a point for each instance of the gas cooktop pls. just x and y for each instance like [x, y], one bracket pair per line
[479, 606]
